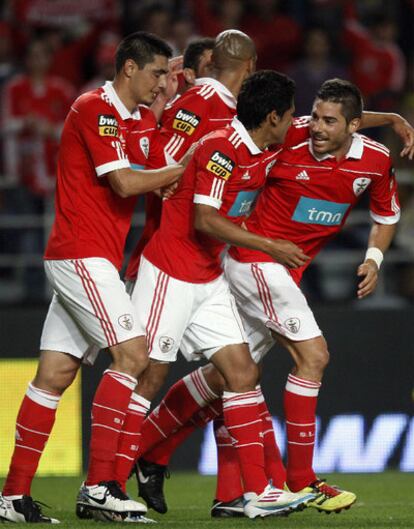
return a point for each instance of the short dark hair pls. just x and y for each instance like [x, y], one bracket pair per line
[194, 51]
[260, 94]
[141, 48]
[344, 92]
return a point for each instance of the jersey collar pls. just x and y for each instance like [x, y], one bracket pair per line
[224, 93]
[122, 110]
[244, 135]
[355, 150]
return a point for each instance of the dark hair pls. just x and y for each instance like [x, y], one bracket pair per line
[141, 48]
[260, 94]
[344, 92]
[194, 51]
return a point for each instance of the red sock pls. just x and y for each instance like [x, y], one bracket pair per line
[183, 400]
[229, 484]
[33, 426]
[129, 438]
[300, 401]
[163, 451]
[274, 467]
[241, 417]
[109, 410]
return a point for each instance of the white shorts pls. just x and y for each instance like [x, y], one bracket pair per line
[197, 318]
[90, 309]
[269, 299]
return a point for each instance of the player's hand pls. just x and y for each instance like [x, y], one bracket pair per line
[169, 191]
[188, 155]
[406, 133]
[369, 271]
[287, 253]
[175, 68]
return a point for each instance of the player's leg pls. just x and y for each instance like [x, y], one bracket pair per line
[269, 297]
[217, 331]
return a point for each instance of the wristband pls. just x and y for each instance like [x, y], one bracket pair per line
[376, 255]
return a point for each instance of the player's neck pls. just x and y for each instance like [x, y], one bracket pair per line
[231, 80]
[260, 138]
[124, 95]
[341, 152]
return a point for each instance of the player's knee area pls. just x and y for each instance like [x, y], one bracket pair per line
[152, 379]
[243, 377]
[130, 357]
[54, 378]
[315, 358]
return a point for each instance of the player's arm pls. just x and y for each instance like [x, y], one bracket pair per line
[400, 126]
[208, 220]
[127, 182]
[379, 241]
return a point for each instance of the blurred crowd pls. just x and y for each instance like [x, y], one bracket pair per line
[53, 50]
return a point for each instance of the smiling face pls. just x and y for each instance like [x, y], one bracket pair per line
[329, 131]
[146, 83]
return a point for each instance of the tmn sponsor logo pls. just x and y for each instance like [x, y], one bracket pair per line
[313, 211]
[348, 443]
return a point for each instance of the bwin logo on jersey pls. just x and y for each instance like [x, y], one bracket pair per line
[186, 121]
[144, 144]
[107, 125]
[359, 185]
[323, 212]
[221, 165]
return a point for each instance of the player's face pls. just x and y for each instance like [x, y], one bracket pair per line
[146, 83]
[329, 131]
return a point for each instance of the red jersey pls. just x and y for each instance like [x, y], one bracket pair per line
[227, 171]
[206, 107]
[31, 156]
[91, 219]
[307, 198]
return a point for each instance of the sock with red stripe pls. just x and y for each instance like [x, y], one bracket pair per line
[182, 401]
[274, 467]
[241, 417]
[163, 451]
[129, 438]
[300, 399]
[229, 483]
[33, 426]
[109, 409]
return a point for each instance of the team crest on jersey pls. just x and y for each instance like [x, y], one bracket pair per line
[293, 325]
[166, 344]
[186, 121]
[107, 125]
[269, 167]
[126, 321]
[144, 144]
[220, 165]
[360, 184]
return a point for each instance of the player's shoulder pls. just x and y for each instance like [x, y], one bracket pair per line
[226, 137]
[301, 122]
[92, 101]
[373, 150]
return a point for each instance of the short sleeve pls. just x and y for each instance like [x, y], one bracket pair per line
[384, 203]
[215, 163]
[98, 125]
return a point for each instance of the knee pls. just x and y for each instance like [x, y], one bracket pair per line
[214, 379]
[54, 380]
[244, 377]
[130, 357]
[152, 379]
[316, 360]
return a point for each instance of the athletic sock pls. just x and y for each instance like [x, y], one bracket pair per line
[109, 409]
[229, 481]
[163, 451]
[33, 426]
[182, 401]
[300, 399]
[129, 438]
[241, 417]
[274, 467]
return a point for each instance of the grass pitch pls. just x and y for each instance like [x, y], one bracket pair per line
[385, 501]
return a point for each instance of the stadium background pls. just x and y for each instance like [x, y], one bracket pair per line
[366, 419]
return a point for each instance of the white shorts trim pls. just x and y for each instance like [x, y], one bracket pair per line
[269, 300]
[90, 309]
[196, 318]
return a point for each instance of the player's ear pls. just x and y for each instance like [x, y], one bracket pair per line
[354, 125]
[189, 75]
[273, 118]
[129, 67]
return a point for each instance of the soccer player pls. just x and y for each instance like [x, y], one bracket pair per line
[181, 264]
[95, 198]
[274, 217]
[197, 60]
[210, 104]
